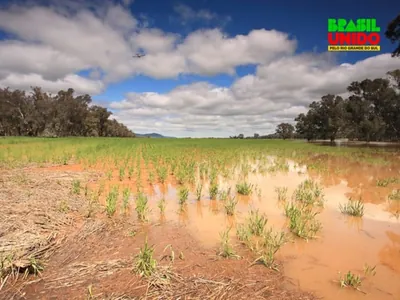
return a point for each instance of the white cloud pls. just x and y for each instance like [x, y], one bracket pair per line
[276, 93]
[84, 36]
[52, 44]
[80, 84]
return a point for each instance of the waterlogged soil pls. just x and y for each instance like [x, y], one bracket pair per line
[104, 261]
[344, 244]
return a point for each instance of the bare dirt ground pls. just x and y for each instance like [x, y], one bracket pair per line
[43, 224]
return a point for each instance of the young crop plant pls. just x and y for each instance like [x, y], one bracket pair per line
[76, 186]
[282, 193]
[256, 222]
[199, 190]
[109, 174]
[161, 205]
[223, 195]
[183, 195]
[213, 175]
[142, 208]
[145, 264]
[162, 173]
[244, 188]
[386, 181]
[35, 267]
[151, 177]
[203, 169]
[181, 175]
[230, 205]
[63, 206]
[270, 244]
[353, 208]
[350, 280]
[191, 175]
[309, 193]
[394, 195]
[213, 191]
[353, 280]
[171, 256]
[121, 173]
[226, 247]
[302, 220]
[243, 233]
[111, 201]
[125, 199]
[369, 270]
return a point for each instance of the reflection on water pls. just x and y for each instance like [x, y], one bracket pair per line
[374, 145]
[345, 243]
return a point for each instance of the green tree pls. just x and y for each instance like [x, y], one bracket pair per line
[63, 114]
[370, 113]
[393, 34]
[306, 127]
[285, 130]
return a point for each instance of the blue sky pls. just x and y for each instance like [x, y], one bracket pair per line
[192, 81]
[304, 20]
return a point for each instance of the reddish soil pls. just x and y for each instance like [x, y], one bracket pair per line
[99, 251]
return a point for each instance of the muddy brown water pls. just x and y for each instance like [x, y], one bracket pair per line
[344, 243]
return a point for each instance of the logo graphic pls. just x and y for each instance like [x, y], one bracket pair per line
[349, 35]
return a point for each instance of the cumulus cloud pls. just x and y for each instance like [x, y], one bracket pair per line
[101, 40]
[277, 92]
[83, 36]
[80, 84]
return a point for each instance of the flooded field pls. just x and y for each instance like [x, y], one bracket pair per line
[246, 218]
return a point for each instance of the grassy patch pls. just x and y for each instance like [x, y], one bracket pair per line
[230, 205]
[142, 208]
[244, 188]
[226, 247]
[386, 181]
[302, 220]
[199, 190]
[161, 205]
[256, 222]
[353, 208]
[281, 193]
[144, 263]
[394, 195]
[183, 196]
[111, 201]
[309, 193]
[270, 244]
[213, 191]
[76, 186]
[350, 280]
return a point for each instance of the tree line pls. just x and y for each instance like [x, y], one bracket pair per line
[41, 114]
[370, 113]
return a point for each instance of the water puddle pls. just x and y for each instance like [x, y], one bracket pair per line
[344, 243]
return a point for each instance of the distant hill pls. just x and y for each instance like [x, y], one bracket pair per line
[154, 135]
